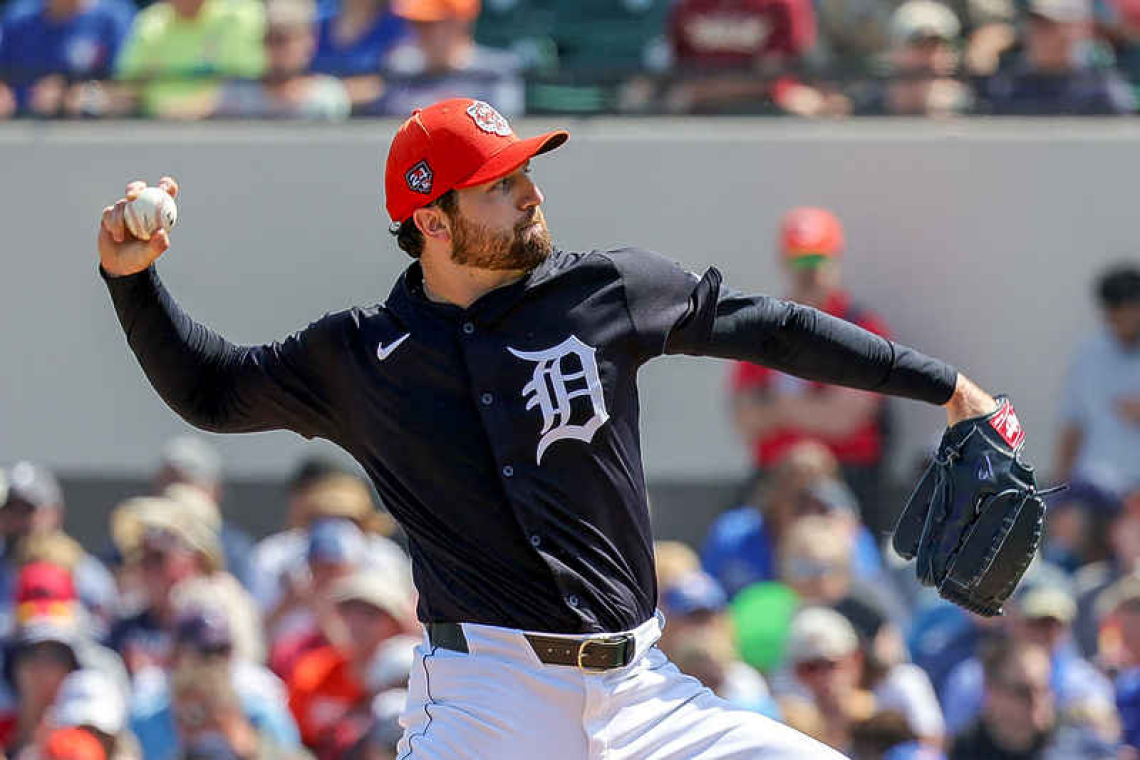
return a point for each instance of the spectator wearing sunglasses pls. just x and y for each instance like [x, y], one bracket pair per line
[177, 558]
[1019, 705]
[1041, 615]
[823, 698]
[288, 89]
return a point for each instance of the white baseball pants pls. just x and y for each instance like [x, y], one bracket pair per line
[499, 702]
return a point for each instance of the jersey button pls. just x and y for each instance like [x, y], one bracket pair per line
[508, 471]
[572, 600]
[468, 328]
[487, 399]
[535, 539]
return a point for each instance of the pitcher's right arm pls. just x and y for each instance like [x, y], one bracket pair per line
[211, 383]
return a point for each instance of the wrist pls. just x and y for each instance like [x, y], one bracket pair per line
[968, 401]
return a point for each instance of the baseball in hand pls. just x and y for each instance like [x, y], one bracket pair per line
[151, 211]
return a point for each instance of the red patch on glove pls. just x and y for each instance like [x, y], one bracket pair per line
[1007, 425]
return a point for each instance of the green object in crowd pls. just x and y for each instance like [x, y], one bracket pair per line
[761, 614]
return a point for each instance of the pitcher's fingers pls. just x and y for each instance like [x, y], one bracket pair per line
[134, 186]
[159, 242]
[104, 237]
[117, 225]
[169, 185]
[112, 221]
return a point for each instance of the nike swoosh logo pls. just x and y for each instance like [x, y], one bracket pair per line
[383, 352]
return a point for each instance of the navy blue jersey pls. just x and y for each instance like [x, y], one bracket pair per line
[504, 437]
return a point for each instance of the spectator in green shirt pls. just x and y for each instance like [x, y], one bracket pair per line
[289, 89]
[179, 51]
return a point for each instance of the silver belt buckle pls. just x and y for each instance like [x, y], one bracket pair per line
[625, 637]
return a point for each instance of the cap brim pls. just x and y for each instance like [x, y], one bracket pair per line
[513, 156]
[925, 34]
[1057, 16]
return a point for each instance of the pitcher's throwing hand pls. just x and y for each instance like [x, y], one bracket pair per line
[120, 252]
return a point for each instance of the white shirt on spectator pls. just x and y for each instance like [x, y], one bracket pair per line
[1101, 373]
[907, 690]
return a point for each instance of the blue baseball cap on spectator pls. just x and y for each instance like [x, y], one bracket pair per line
[205, 631]
[335, 541]
[1101, 494]
[912, 751]
[211, 747]
[691, 593]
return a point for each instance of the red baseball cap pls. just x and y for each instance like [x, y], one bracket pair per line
[809, 235]
[450, 145]
[73, 744]
[44, 582]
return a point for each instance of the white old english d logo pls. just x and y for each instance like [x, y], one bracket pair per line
[554, 384]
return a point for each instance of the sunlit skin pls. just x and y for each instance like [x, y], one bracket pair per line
[289, 50]
[163, 568]
[169, 476]
[831, 681]
[444, 43]
[187, 9]
[1128, 615]
[924, 64]
[1047, 632]
[497, 236]
[20, 519]
[702, 622]
[58, 10]
[813, 285]
[929, 55]
[1124, 321]
[366, 627]
[1018, 703]
[1049, 45]
[38, 672]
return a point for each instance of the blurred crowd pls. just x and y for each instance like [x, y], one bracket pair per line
[185, 638]
[331, 59]
[795, 604]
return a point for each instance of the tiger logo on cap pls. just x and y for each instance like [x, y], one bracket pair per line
[488, 119]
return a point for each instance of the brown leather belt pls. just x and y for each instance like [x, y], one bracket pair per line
[603, 652]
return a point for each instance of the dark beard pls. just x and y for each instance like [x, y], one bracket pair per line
[473, 245]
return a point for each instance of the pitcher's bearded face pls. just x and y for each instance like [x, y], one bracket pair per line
[523, 247]
[499, 225]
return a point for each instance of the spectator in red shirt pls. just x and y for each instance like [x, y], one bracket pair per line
[733, 50]
[774, 411]
[337, 548]
[331, 687]
[741, 32]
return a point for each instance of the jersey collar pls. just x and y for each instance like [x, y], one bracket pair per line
[408, 301]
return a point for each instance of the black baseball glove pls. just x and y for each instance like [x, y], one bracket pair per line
[974, 521]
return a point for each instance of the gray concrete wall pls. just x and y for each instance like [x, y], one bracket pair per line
[975, 240]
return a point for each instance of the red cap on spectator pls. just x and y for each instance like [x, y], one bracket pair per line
[450, 145]
[43, 581]
[809, 235]
[73, 744]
